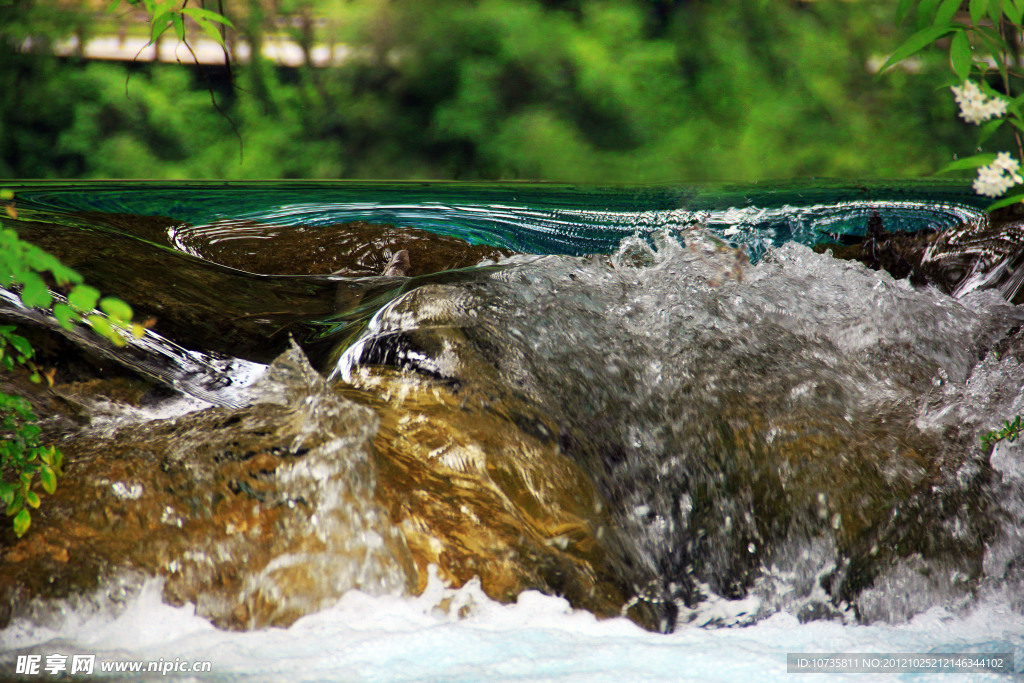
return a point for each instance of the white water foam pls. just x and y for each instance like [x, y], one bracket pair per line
[393, 638]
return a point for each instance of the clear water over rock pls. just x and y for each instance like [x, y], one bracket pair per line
[799, 430]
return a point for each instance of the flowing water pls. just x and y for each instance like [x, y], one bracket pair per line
[685, 407]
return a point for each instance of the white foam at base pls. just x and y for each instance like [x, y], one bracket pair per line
[394, 638]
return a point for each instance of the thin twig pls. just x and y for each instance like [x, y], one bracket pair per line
[213, 99]
[224, 42]
[1005, 72]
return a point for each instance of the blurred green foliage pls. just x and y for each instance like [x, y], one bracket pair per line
[571, 90]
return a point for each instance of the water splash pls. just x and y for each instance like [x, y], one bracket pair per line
[734, 415]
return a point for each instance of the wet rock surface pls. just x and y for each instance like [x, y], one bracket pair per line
[262, 514]
[477, 496]
[714, 487]
[257, 515]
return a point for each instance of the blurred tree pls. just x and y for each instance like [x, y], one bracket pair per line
[575, 90]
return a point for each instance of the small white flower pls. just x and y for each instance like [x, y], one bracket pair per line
[968, 92]
[997, 107]
[999, 176]
[975, 106]
[1007, 163]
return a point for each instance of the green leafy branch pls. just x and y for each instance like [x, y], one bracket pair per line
[167, 14]
[30, 271]
[1010, 431]
[23, 458]
[23, 265]
[982, 42]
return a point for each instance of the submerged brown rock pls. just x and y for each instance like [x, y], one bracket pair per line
[262, 514]
[219, 287]
[479, 496]
[735, 428]
[257, 515]
[355, 248]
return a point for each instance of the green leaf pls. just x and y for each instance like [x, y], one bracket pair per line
[977, 9]
[916, 43]
[21, 522]
[946, 11]
[116, 309]
[996, 46]
[112, 6]
[161, 22]
[32, 498]
[1013, 10]
[1005, 201]
[995, 11]
[179, 25]
[84, 297]
[20, 345]
[101, 326]
[64, 275]
[995, 40]
[960, 55]
[200, 14]
[48, 479]
[65, 315]
[988, 128]
[35, 292]
[926, 10]
[969, 162]
[210, 30]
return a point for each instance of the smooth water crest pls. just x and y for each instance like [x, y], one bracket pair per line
[687, 407]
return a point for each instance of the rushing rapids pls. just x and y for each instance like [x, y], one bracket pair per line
[654, 431]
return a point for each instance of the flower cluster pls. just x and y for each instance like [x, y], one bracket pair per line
[999, 176]
[975, 106]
